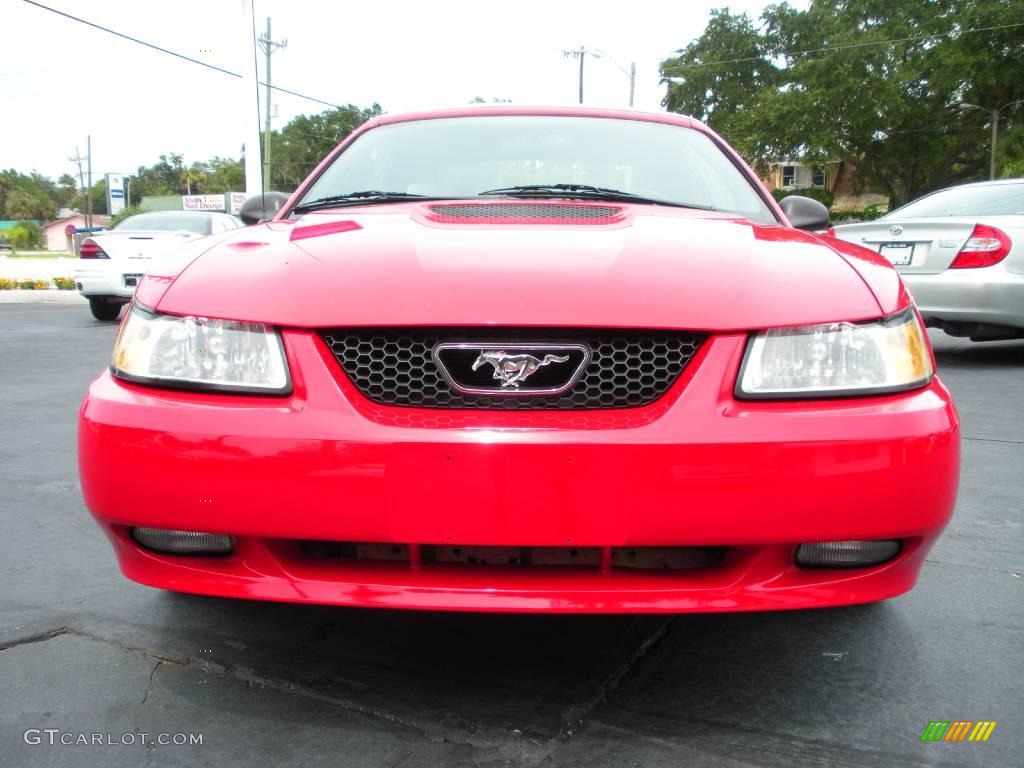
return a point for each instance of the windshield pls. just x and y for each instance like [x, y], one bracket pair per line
[464, 156]
[170, 221]
[983, 200]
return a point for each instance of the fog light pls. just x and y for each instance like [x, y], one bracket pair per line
[183, 542]
[846, 554]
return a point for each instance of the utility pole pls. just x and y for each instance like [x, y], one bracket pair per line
[88, 196]
[248, 98]
[583, 54]
[268, 46]
[580, 54]
[78, 159]
[632, 81]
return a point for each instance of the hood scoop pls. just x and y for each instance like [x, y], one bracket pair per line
[525, 213]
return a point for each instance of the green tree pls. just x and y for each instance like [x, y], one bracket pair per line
[224, 174]
[27, 196]
[21, 204]
[26, 235]
[68, 189]
[192, 179]
[871, 82]
[300, 146]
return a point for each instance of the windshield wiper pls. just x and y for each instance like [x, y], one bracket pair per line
[584, 191]
[356, 198]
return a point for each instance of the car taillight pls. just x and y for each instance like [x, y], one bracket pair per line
[90, 250]
[986, 246]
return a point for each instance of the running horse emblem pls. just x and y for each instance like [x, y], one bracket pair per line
[510, 370]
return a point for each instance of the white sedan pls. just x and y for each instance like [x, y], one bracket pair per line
[111, 264]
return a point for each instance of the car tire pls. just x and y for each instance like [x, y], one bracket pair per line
[104, 310]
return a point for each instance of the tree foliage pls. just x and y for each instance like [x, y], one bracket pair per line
[27, 196]
[299, 147]
[875, 83]
[26, 235]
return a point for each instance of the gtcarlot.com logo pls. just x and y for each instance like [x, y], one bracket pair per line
[958, 730]
[55, 736]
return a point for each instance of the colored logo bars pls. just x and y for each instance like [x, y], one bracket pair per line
[958, 730]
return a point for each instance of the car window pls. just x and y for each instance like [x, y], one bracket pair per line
[463, 156]
[975, 200]
[167, 221]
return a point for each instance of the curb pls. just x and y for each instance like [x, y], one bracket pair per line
[44, 296]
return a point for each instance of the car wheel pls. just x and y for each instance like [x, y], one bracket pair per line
[104, 310]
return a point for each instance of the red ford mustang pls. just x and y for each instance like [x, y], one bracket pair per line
[525, 360]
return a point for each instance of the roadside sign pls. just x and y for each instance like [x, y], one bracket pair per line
[202, 202]
[115, 193]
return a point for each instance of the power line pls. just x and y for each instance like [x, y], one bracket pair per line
[182, 56]
[792, 54]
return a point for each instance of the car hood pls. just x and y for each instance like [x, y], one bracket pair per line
[396, 265]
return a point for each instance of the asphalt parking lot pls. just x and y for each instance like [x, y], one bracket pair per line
[82, 650]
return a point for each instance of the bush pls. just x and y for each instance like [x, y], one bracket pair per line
[33, 285]
[64, 283]
[820, 194]
[26, 235]
[872, 212]
[6, 284]
[131, 210]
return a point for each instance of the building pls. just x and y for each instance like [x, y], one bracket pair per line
[836, 176]
[57, 234]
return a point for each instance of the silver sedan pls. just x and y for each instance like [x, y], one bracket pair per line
[961, 253]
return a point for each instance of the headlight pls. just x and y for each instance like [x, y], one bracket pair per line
[836, 360]
[199, 353]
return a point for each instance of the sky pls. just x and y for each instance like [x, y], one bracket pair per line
[61, 80]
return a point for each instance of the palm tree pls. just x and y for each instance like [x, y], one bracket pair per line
[191, 176]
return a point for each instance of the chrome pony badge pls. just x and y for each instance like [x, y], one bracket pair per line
[512, 369]
[494, 368]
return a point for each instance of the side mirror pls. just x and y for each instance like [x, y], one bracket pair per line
[805, 212]
[262, 207]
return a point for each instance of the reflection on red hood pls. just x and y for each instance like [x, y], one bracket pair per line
[651, 267]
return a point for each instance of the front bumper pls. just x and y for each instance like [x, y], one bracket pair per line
[695, 468]
[990, 295]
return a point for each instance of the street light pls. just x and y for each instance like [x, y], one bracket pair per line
[995, 126]
[597, 53]
[630, 73]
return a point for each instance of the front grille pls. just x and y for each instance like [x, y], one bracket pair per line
[395, 366]
[524, 213]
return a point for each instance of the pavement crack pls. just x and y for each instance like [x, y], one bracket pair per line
[991, 440]
[575, 716]
[39, 637]
[149, 687]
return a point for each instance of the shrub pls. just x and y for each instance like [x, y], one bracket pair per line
[820, 194]
[131, 210]
[33, 285]
[872, 212]
[6, 284]
[64, 283]
[26, 235]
